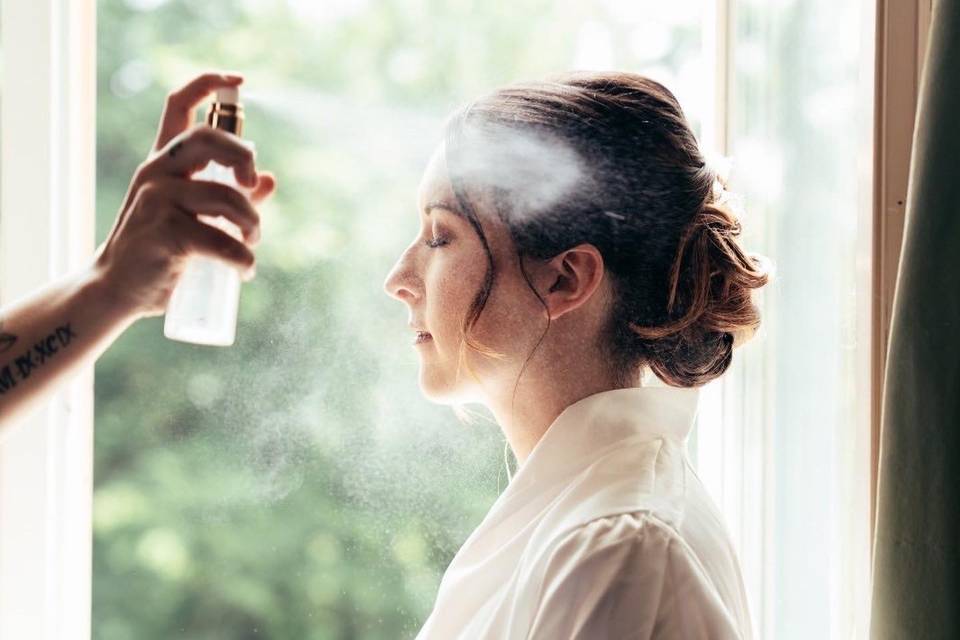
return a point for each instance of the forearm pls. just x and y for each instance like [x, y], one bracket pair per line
[50, 335]
[53, 334]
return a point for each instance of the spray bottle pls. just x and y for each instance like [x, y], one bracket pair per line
[203, 307]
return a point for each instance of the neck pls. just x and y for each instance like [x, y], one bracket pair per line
[546, 388]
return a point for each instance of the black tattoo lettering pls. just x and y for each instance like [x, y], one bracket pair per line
[65, 334]
[7, 340]
[42, 351]
[25, 365]
[7, 381]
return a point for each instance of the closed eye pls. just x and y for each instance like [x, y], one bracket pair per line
[437, 242]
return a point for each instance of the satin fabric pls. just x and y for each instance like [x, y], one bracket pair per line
[605, 531]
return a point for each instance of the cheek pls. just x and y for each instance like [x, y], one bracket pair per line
[508, 319]
[513, 319]
[452, 286]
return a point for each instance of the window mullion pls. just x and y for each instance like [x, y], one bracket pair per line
[47, 229]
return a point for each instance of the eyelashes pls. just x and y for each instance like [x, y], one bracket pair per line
[437, 242]
[440, 237]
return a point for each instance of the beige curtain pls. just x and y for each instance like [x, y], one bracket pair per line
[916, 590]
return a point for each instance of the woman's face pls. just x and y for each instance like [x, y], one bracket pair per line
[439, 275]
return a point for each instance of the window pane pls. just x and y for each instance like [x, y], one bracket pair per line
[800, 128]
[296, 485]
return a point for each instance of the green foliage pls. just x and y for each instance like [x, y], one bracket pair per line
[296, 485]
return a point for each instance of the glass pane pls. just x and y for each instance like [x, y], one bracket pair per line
[296, 485]
[800, 126]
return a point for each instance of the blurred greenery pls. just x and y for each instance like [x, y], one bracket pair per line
[296, 485]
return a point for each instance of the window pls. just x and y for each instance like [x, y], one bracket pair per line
[792, 416]
[46, 230]
[296, 485]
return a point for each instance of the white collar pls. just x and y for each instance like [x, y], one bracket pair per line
[601, 422]
[617, 425]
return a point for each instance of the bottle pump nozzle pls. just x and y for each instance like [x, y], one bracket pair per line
[226, 112]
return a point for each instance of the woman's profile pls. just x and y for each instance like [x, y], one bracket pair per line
[573, 240]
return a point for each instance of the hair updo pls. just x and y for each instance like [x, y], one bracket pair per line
[614, 163]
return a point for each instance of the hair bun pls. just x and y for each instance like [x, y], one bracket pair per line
[717, 311]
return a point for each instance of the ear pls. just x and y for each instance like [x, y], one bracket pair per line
[574, 275]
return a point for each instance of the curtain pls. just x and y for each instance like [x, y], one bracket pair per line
[916, 564]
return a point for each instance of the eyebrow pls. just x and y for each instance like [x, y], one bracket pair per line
[439, 204]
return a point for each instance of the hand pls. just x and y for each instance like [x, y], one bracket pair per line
[157, 229]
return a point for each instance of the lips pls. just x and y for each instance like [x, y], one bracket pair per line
[416, 328]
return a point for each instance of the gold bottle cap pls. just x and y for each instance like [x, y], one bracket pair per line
[226, 112]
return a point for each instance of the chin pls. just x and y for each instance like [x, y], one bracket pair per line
[436, 392]
[441, 389]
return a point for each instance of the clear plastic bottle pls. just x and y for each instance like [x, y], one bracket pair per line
[204, 304]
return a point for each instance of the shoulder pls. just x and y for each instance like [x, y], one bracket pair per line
[623, 573]
[627, 539]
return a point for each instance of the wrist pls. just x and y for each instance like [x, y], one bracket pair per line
[98, 289]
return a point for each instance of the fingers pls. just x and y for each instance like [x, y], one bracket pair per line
[212, 198]
[266, 185]
[189, 152]
[180, 109]
[202, 239]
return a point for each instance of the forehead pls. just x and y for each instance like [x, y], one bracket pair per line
[435, 187]
[435, 182]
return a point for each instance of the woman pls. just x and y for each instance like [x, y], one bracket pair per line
[572, 238]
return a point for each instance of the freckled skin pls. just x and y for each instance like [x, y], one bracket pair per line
[438, 285]
[422, 270]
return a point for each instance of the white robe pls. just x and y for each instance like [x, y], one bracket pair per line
[605, 531]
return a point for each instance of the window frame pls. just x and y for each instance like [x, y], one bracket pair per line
[47, 229]
[46, 461]
[902, 29]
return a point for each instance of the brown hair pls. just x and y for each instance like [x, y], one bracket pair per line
[646, 199]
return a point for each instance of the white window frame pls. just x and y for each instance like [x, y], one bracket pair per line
[47, 228]
[47, 223]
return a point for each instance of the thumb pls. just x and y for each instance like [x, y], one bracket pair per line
[266, 185]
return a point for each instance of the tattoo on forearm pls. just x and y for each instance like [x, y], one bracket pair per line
[21, 368]
[174, 149]
[6, 339]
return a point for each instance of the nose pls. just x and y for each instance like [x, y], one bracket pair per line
[402, 282]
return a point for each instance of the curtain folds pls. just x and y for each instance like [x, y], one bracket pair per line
[916, 564]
